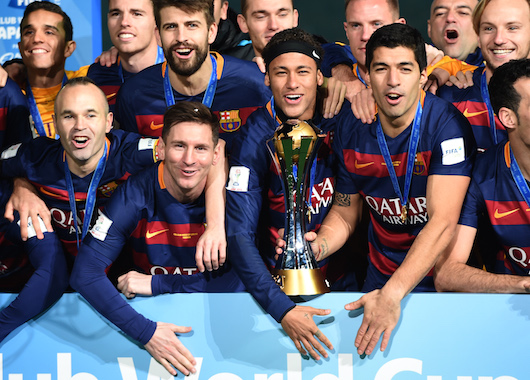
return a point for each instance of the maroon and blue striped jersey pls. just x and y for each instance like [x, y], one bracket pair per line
[14, 116]
[446, 147]
[470, 101]
[240, 90]
[41, 161]
[494, 193]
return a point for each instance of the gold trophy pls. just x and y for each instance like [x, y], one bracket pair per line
[293, 149]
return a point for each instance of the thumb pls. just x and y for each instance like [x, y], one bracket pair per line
[321, 311]
[354, 305]
[180, 329]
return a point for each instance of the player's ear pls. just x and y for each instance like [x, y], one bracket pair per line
[508, 118]
[157, 36]
[218, 151]
[110, 118]
[242, 22]
[160, 149]
[212, 33]
[295, 18]
[267, 79]
[423, 78]
[320, 78]
[69, 48]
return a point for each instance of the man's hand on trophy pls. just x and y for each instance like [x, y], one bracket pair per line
[298, 323]
[309, 236]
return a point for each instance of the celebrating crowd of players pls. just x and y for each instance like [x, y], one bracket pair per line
[113, 177]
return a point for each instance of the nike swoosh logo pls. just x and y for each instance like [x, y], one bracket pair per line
[471, 114]
[499, 215]
[149, 235]
[360, 166]
[154, 126]
[109, 96]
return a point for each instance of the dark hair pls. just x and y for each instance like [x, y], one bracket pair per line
[392, 4]
[188, 6]
[244, 7]
[195, 112]
[501, 85]
[82, 81]
[50, 7]
[299, 36]
[397, 35]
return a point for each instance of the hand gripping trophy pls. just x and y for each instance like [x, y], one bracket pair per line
[294, 149]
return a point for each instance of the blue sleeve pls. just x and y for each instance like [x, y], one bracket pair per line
[136, 151]
[336, 54]
[90, 280]
[17, 124]
[45, 286]
[344, 134]
[243, 212]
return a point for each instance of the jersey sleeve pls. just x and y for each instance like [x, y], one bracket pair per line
[473, 206]
[14, 116]
[13, 159]
[249, 167]
[336, 54]
[99, 249]
[137, 152]
[45, 286]
[453, 144]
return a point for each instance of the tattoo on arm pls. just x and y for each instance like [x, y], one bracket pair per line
[342, 200]
[324, 249]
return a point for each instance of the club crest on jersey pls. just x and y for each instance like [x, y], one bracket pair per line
[419, 164]
[107, 189]
[229, 120]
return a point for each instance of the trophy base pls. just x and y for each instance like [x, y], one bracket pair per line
[301, 282]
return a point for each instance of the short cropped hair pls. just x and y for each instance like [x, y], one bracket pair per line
[396, 35]
[291, 35]
[501, 85]
[193, 112]
[479, 10]
[82, 81]
[392, 4]
[244, 7]
[188, 6]
[50, 7]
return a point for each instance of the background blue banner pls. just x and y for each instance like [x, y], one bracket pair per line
[439, 337]
[86, 19]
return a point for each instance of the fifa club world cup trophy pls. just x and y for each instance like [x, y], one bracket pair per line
[294, 149]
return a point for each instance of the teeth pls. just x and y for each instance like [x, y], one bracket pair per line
[37, 51]
[502, 51]
[184, 51]
[81, 140]
[393, 96]
[293, 97]
[126, 35]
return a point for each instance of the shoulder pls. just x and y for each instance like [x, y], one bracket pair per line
[240, 69]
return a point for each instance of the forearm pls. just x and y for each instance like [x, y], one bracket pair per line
[89, 279]
[215, 193]
[460, 277]
[421, 258]
[45, 286]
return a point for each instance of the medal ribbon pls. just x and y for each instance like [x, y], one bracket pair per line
[486, 98]
[91, 195]
[520, 181]
[359, 76]
[411, 156]
[209, 94]
[34, 110]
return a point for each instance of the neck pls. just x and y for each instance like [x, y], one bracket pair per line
[136, 62]
[82, 169]
[45, 78]
[521, 152]
[393, 126]
[195, 83]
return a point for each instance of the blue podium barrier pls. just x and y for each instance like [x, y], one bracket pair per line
[439, 337]
[86, 20]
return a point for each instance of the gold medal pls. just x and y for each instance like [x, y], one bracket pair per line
[403, 214]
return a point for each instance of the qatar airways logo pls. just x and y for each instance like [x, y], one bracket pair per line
[321, 196]
[413, 368]
[390, 210]
[519, 256]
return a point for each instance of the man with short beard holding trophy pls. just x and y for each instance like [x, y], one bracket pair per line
[255, 201]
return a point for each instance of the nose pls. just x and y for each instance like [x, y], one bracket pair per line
[273, 23]
[450, 16]
[499, 37]
[393, 77]
[367, 32]
[189, 156]
[125, 19]
[292, 81]
[38, 36]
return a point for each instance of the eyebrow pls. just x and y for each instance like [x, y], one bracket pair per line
[445, 7]
[46, 26]
[264, 11]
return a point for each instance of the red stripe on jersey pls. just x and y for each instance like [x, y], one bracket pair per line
[150, 125]
[477, 113]
[110, 93]
[507, 213]
[55, 193]
[395, 240]
[161, 232]
[3, 118]
[373, 165]
[276, 202]
[381, 262]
